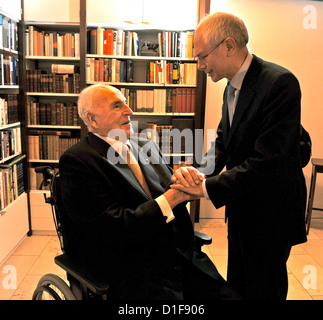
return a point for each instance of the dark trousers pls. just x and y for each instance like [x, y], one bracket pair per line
[256, 266]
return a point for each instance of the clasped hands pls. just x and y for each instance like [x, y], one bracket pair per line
[188, 180]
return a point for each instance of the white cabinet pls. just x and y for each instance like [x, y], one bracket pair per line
[14, 226]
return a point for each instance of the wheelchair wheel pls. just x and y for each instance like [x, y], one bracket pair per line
[45, 293]
[52, 287]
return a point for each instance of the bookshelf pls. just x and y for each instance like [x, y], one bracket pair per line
[155, 70]
[14, 222]
[52, 71]
[151, 119]
[172, 73]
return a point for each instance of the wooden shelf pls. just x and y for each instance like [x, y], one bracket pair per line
[44, 126]
[141, 58]
[46, 94]
[160, 114]
[52, 58]
[141, 84]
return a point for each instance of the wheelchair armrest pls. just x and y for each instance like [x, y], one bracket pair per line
[202, 239]
[91, 281]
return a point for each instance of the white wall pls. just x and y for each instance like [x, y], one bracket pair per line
[11, 7]
[166, 14]
[52, 11]
[280, 32]
[182, 15]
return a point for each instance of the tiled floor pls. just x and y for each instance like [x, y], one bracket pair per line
[35, 257]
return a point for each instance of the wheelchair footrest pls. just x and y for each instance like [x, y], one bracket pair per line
[97, 286]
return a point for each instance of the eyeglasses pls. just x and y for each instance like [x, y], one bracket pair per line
[204, 57]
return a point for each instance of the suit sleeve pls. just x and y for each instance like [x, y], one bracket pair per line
[274, 150]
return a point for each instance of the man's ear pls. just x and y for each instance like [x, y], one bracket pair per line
[91, 118]
[231, 46]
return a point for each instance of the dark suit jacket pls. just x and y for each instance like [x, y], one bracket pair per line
[263, 187]
[117, 231]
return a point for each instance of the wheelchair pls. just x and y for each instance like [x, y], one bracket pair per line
[82, 284]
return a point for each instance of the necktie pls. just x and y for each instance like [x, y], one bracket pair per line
[134, 166]
[230, 99]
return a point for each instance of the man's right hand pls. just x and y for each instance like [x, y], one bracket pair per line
[187, 176]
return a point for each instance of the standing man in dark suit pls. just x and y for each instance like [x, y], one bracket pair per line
[133, 230]
[263, 187]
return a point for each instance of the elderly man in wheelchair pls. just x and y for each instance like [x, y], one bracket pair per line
[125, 235]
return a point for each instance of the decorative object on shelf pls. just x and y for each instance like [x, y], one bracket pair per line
[149, 48]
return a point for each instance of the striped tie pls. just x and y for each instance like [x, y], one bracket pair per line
[230, 99]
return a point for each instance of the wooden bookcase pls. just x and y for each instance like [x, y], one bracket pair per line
[52, 86]
[144, 120]
[14, 222]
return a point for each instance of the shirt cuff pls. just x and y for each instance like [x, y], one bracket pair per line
[206, 195]
[165, 208]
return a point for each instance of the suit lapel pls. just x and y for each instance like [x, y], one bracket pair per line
[110, 155]
[247, 94]
[245, 98]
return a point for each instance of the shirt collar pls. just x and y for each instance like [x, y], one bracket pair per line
[117, 145]
[237, 79]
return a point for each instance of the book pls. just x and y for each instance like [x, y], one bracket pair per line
[108, 42]
[183, 138]
[1, 32]
[65, 68]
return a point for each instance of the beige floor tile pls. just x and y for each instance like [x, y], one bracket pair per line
[214, 223]
[27, 287]
[13, 272]
[295, 289]
[221, 263]
[219, 244]
[308, 272]
[46, 264]
[33, 245]
[298, 249]
[317, 227]
[314, 247]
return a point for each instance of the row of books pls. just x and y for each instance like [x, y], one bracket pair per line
[162, 131]
[109, 70]
[8, 109]
[176, 44]
[8, 70]
[39, 81]
[49, 145]
[10, 142]
[126, 43]
[8, 33]
[112, 42]
[171, 137]
[11, 181]
[175, 100]
[171, 72]
[52, 113]
[53, 44]
[159, 72]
